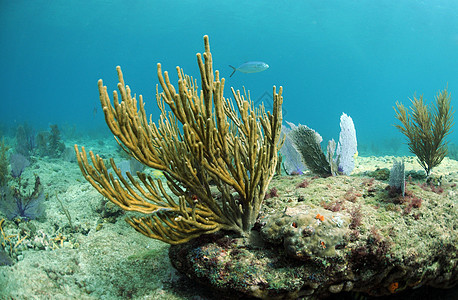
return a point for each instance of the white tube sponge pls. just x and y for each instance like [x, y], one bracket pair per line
[347, 147]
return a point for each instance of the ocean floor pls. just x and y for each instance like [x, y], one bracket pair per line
[83, 249]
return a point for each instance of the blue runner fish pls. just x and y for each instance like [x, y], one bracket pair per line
[250, 67]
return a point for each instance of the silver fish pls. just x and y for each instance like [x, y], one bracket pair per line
[250, 67]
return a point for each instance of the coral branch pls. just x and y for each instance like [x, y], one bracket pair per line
[201, 143]
[426, 128]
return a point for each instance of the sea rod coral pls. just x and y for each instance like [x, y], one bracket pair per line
[217, 160]
[426, 128]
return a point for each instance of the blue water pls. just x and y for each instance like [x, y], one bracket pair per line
[357, 57]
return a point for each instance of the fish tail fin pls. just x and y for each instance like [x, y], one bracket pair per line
[232, 71]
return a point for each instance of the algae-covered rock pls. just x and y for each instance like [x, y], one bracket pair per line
[307, 232]
[337, 234]
[381, 174]
[5, 260]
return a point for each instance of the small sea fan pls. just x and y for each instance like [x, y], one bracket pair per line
[15, 204]
[307, 142]
[292, 161]
[18, 163]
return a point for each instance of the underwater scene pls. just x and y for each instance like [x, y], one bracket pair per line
[201, 150]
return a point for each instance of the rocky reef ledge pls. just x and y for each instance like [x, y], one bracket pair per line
[322, 236]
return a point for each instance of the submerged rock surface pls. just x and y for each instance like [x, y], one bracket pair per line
[322, 236]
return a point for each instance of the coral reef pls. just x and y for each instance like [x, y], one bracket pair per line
[218, 160]
[102, 257]
[373, 245]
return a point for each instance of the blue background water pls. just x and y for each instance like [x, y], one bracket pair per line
[357, 57]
